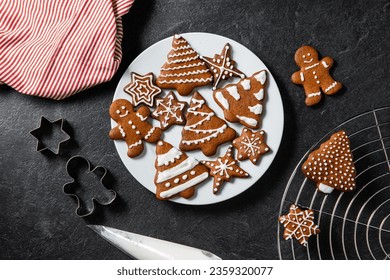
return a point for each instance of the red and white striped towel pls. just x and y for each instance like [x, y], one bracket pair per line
[54, 49]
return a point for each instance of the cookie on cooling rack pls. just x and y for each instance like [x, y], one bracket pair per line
[331, 166]
[299, 224]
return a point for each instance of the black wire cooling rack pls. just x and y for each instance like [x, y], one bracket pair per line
[353, 225]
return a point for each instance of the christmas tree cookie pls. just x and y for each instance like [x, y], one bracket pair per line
[299, 224]
[203, 129]
[183, 70]
[176, 173]
[223, 169]
[243, 102]
[331, 166]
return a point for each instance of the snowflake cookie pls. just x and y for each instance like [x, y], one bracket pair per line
[169, 111]
[223, 169]
[222, 66]
[299, 224]
[142, 89]
[251, 145]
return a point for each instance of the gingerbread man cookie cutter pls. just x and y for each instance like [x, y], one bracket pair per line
[46, 130]
[74, 187]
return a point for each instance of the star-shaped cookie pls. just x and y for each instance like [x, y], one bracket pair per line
[251, 145]
[223, 169]
[222, 66]
[299, 224]
[169, 111]
[142, 89]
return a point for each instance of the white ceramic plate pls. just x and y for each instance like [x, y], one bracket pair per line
[151, 60]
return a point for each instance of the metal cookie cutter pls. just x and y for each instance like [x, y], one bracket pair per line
[84, 189]
[50, 130]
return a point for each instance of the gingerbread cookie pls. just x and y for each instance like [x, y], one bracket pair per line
[299, 224]
[203, 129]
[141, 89]
[331, 166]
[176, 173]
[169, 111]
[243, 102]
[183, 70]
[314, 75]
[132, 126]
[222, 66]
[251, 145]
[223, 169]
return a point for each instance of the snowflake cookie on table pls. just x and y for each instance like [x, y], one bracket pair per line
[169, 111]
[224, 168]
[132, 126]
[142, 89]
[251, 145]
[299, 224]
[314, 75]
[222, 66]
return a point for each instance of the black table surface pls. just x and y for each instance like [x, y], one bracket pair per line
[37, 220]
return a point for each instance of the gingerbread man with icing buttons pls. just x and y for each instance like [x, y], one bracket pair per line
[314, 75]
[132, 126]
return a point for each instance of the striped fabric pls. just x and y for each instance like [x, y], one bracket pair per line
[55, 48]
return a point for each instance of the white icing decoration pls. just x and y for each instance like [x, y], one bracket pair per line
[325, 188]
[222, 100]
[233, 92]
[257, 109]
[250, 121]
[311, 66]
[183, 60]
[223, 168]
[181, 81]
[308, 61]
[261, 77]
[331, 86]
[252, 145]
[182, 48]
[122, 131]
[182, 167]
[181, 54]
[180, 42]
[314, 94]
[124, 115]
[169, 110]
[142, 118]
[260, 94]
[201, 63]
[302, 78]
[139, 142]
[150, 132]
[194, 181]
[324, 63]
[141, 92]
[246, 84]
[186, 73]
[168, 157]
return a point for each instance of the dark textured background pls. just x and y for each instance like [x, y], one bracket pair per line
[37, 220]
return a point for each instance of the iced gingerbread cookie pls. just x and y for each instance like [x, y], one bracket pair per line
[203, 129]
[243, 102]
[299, 224]
[176, 173]
[142, 89]
[224, 169]
[169, 111]
[251, 145]
[132, 126]
[183, 70]
[222, 66]
[314, 75]
[331, 166]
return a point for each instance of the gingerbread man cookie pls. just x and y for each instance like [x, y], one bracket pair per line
[243, 102]
[132, 126]
[314, 75]
[141, 89]
[183, 70]
[224, 169]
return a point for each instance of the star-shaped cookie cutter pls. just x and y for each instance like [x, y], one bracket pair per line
[45, 126]
[69, 187]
